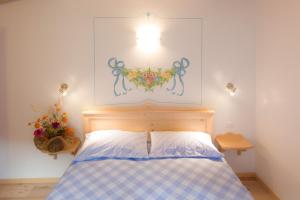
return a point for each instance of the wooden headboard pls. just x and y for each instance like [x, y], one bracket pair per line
[148, 117]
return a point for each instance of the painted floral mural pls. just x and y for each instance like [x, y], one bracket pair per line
[149, 78]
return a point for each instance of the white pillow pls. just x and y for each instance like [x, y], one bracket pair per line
[113, 144]
[180, 144]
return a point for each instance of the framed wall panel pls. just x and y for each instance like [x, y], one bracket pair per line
[177, 60]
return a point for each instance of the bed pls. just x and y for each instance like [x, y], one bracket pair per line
[181, 177]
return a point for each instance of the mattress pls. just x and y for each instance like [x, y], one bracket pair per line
[176, 178]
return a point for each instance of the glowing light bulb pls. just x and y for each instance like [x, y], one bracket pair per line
[231, 89]
[63, 89]
[148, 38]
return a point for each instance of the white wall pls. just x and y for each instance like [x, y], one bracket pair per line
[278, 97]
[47, 42]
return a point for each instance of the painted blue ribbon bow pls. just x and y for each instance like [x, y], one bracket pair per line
[180, 70]
[118, 69]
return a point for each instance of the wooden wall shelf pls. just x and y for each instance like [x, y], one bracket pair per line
[233, 141]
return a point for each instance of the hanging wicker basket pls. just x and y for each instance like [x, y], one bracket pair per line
[56, 144]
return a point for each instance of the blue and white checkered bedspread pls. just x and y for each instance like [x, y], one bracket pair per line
[183, 178]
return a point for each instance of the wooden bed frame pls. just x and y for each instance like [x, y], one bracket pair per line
[148, 117]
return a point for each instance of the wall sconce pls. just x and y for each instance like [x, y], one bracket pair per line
[148, 36]
[63, 89]
[231, 89]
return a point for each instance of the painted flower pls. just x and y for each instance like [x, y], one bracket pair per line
[149, 77]
[166, 75]
[132, 74]
[38, 132]
[55, 124]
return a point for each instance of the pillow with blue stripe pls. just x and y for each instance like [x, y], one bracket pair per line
[183, 144]
[113, 144]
